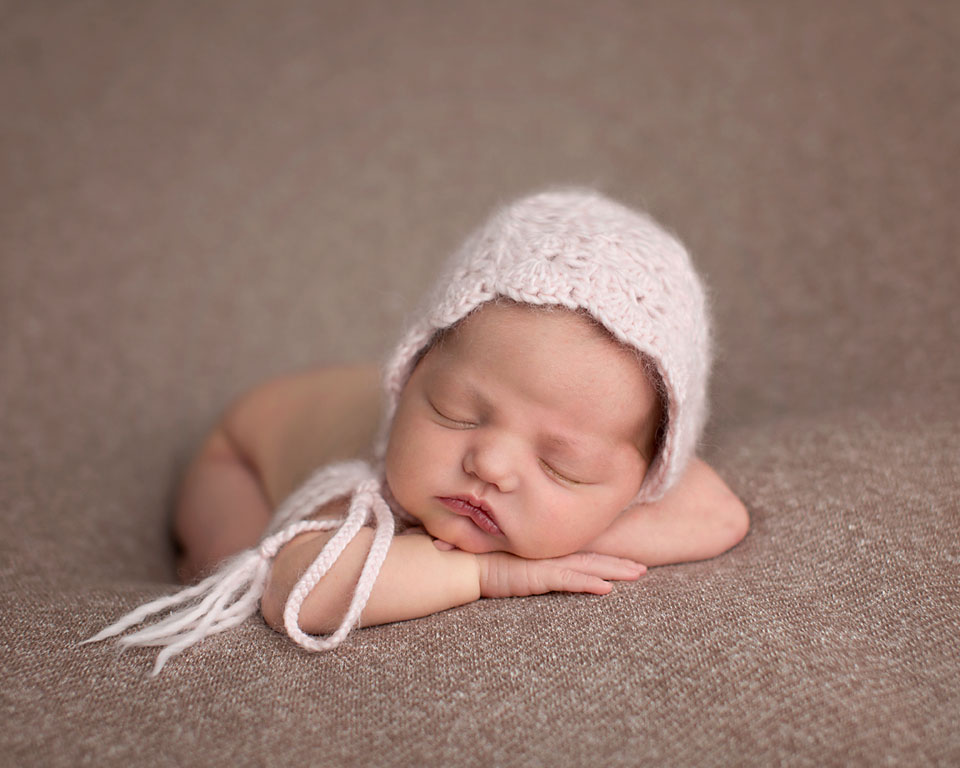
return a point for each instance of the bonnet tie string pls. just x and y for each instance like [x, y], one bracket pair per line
[232, 593]
[366, 499]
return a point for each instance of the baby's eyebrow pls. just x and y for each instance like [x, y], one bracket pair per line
[563, 442]
[472, 394]
[570, 446]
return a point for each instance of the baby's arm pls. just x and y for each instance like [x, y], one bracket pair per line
[699, 518]
[418, 579]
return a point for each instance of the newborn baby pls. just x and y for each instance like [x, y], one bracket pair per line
[538, 434]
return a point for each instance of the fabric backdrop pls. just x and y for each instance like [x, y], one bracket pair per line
[196, 197]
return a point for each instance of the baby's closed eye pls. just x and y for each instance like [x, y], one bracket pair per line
[451, 420]
[561, 476]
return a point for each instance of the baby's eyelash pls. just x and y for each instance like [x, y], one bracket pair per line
[444, 416]
[559, 475]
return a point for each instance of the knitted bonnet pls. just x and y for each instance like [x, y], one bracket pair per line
[580, 250]
[570, 248]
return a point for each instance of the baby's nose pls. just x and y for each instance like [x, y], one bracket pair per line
[493, 461]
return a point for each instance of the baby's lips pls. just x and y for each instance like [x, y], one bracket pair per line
[443, 546]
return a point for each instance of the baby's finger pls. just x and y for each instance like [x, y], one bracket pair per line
[571, 580]
[604, 566]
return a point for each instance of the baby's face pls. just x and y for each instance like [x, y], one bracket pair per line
[524, 431]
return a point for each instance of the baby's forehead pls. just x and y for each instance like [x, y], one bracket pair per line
[553, 356]
[546, 335]
[502, 319]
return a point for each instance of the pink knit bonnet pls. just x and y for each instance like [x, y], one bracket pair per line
[577, 249]
[570, 248]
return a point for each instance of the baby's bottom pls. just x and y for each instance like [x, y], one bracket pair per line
[266, 445]
[221, 509]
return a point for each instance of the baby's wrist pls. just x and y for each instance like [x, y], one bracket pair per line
[476, 567]
[481, 567]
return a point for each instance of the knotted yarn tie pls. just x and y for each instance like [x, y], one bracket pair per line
[232, 594]
[325, 484]
[366, 499]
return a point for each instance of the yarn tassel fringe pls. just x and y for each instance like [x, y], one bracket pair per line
[232, 594]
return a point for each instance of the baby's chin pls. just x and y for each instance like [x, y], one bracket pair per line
[444, 542]
[447, 540]
[481, 549]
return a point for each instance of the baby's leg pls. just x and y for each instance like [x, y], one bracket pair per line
[221, 509]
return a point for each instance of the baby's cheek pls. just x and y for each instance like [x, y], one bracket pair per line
[408, 466]
[586, 521]
[398, 475]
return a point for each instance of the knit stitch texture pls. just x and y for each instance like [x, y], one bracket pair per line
[580, 250]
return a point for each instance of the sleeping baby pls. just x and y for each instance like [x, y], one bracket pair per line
[537, 434]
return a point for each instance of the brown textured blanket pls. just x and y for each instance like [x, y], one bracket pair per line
[195, 197]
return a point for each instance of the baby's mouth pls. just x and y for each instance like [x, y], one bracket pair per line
[476, 509]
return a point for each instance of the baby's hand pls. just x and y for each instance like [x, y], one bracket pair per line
[506, 575]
